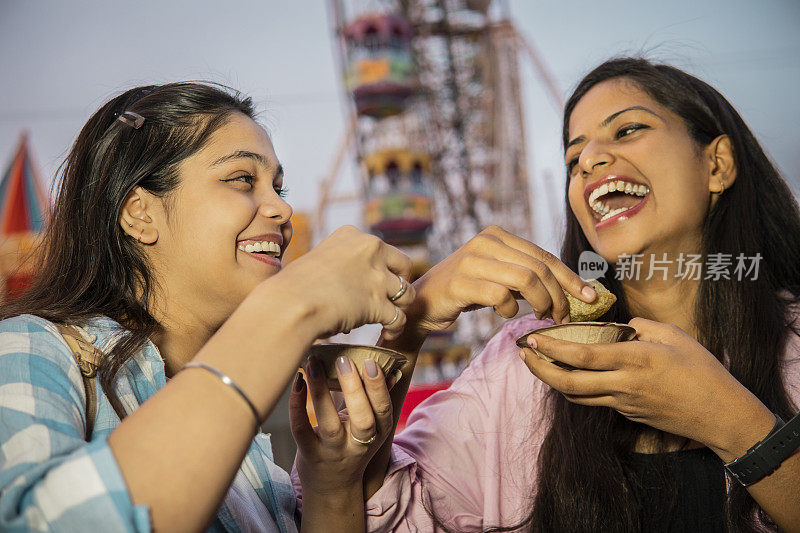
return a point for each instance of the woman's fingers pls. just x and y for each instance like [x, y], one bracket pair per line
[329, 426]
[658, 332]
[559, 306]
[301, 428]
[520, 277]
[396, 261]
[587, 356]
[566, 278]
[474, 291]
[393, 319]
[362, 422]
[593, 401]
[377, 389]
[393, 379]
[401, 292]
[570, 382]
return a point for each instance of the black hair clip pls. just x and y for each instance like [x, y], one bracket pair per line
[134, 120]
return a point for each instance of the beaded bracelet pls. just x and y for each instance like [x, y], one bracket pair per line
[227, 381]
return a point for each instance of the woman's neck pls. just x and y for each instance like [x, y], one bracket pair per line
[179, 337]
[670, 301]
[178, 346]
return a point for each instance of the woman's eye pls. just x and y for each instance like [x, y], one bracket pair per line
[571, 165]
[629, 128]
[244, 178]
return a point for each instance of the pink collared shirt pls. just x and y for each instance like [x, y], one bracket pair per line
[472, 449]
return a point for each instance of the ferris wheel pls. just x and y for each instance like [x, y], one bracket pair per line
[436, 126]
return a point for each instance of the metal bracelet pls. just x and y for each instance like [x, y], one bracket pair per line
[227, 381]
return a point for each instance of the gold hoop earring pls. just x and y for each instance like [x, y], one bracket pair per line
[139, 238]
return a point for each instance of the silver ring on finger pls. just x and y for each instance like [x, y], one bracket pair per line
[365, 442]
[402, 291]
[396, 316]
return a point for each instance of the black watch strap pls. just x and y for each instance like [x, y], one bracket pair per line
[767, 455]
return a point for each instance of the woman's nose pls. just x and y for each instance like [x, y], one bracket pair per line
[274, 207]
[594, 155]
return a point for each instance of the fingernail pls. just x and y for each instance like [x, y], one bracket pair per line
[343, 365]
[299, 382]
[532, 342]
[589, 293]
[522, 355]
[313, 368]
[371, 368]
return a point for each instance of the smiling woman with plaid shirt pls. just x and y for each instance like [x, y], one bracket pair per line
[163, 258]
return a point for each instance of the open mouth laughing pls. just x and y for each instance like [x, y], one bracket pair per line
[615, 198]
[264, 248]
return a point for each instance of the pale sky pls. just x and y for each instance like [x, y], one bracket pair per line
[61, 60]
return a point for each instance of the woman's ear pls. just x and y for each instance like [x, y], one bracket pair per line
[722, 164]
[135, 216]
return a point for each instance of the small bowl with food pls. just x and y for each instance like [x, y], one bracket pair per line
[389, 361]
[581, 328]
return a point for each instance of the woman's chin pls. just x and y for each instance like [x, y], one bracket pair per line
[613, 252]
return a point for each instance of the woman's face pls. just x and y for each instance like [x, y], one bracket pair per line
[226, 226]
[638, 183]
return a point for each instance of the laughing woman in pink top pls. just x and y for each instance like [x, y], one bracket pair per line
[659, 164]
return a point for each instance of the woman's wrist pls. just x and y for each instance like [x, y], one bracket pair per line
[408, 343]
[741, 426]
[295, 308]
[333, 498]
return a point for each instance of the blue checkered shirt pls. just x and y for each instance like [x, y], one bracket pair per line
[52, 479]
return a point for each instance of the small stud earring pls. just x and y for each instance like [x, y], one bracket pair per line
[130, 225]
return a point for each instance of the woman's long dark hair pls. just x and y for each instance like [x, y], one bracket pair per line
[586, 484]
[88, 265]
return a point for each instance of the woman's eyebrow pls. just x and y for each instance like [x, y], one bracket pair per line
[244, 154]
[611, 117]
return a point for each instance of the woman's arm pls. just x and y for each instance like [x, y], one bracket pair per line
[669, 381]
[494, 269]
[180, 450]
[177, 454]
[198, 429]
[743, 421]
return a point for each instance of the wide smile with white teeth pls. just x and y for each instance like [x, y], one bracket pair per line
[262, 247]
[602, 210]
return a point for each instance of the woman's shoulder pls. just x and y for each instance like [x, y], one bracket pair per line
[32, 340]
[28, 326]
[24, 323]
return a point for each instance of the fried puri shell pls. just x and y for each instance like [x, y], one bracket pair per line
[580, 311]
